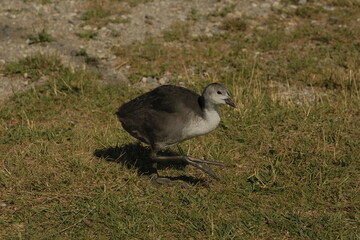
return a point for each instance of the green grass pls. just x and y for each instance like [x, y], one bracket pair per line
[88, 35]
[194, 15]
[41, 37]
[95, 13]
[177, 32]
[87, 58]
[33, 66]
[41, 1]
[222, 12]
[101, 12]
[69, 171]
[234, 24]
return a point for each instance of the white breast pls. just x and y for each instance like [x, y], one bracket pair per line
[200, 126]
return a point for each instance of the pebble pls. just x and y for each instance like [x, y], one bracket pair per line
[124, 17]
[195, 35]
[149, 17]
[276, 4]
[238, 14]
[265, 5]
[209, 34]
[151, 80]
[182, 17]
[163, 80]
[87, 28]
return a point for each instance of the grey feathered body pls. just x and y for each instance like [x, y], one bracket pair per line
[166, 116]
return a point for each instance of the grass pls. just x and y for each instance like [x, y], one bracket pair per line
[194, 15]
[95, 13]
[234, 24]
[33, 66]
[177, 32]
[222, 12]
[87, 58]
[41, 1]
[68, 170]
[41, 37]
[88, 35]
[101, 12]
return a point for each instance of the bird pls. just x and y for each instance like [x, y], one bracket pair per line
[171, 114]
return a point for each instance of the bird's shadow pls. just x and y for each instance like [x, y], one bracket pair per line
[136, 156]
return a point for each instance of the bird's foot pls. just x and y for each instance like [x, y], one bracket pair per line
[158, 181]
[197, 160]
[197, 163]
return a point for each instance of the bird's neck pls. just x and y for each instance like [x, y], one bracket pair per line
[207, 105]
[206, 122]
[209, 109]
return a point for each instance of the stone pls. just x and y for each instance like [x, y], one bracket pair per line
[163, 80]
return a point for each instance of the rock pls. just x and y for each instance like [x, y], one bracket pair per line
[209, 34]
[276, 4]
[149, 17]
[87, 28]
[195, 35]
[265, 5]
[151, 80]
[163, 80]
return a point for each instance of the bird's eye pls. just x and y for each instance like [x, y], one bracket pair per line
[218, 92]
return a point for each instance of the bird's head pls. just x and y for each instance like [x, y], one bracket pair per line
[217, 93]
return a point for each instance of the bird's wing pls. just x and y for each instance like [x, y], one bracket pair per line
[167, 98]
[159, 115]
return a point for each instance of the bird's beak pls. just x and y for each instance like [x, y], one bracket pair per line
[230, 102]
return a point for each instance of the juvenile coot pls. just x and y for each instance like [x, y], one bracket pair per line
[170, 114]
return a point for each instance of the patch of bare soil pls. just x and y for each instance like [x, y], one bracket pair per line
[71, 33]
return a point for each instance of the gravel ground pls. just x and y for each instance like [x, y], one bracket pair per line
[62, 19]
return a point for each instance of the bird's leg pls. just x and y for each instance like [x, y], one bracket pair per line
[155, 178]
[197, 160]
[199, 163]
[155, 163]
